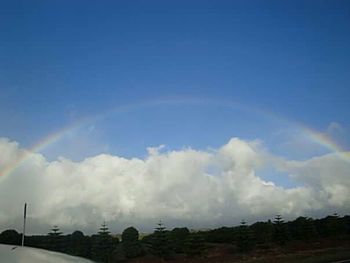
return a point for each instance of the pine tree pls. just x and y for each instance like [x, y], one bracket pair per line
[56, 241]
[102, 244]
[244, 239]
[280, 230]
[160, 243]
[55, 232]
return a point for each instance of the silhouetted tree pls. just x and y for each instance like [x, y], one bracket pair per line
[11, 237]
[221, 235]
[102, 244]
[177, 238]
[346, 221]
[55, 232]
[244, 239]
[56, 240]
[159, 241]
[118, 254]
[280, 231]
[330, 226]
[263, 232]
[194, 244]
[335, 225]
[162, 242]
[130, 243]
[302, 228]
[78, 244]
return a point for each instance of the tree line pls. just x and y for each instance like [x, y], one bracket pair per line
[104, 247]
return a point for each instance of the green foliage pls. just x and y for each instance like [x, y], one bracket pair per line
[220, 235]
[56, 240]
[130, 234]
[331, 226]
[11, 237]
[159, 242]
[177, 238]
[164, 243]
[78, 244]
[146, 243]
[302, 228]
[102, 244]
[130, 243]
[244, 238]
[194, 245]
[118, 254]
[280, 234]
[346, 223]
[334, 225]
[262, 232]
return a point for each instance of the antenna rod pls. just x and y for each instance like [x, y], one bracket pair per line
[24, 222]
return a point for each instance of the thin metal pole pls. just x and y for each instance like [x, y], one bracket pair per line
[24, 223]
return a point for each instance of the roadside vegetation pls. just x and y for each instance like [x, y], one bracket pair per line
[303, 240]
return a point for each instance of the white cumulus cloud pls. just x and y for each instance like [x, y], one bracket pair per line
[186, 187]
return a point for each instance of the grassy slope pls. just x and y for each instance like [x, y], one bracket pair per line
[301, 252]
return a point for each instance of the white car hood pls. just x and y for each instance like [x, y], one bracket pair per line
[17, 254]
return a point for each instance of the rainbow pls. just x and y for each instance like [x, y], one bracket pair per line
[315, 136]
[327, 142]
[51, 139]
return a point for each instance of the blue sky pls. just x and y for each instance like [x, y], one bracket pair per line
[227, 87]
[61, 61]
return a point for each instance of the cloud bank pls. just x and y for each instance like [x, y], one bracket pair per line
[188, 187]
